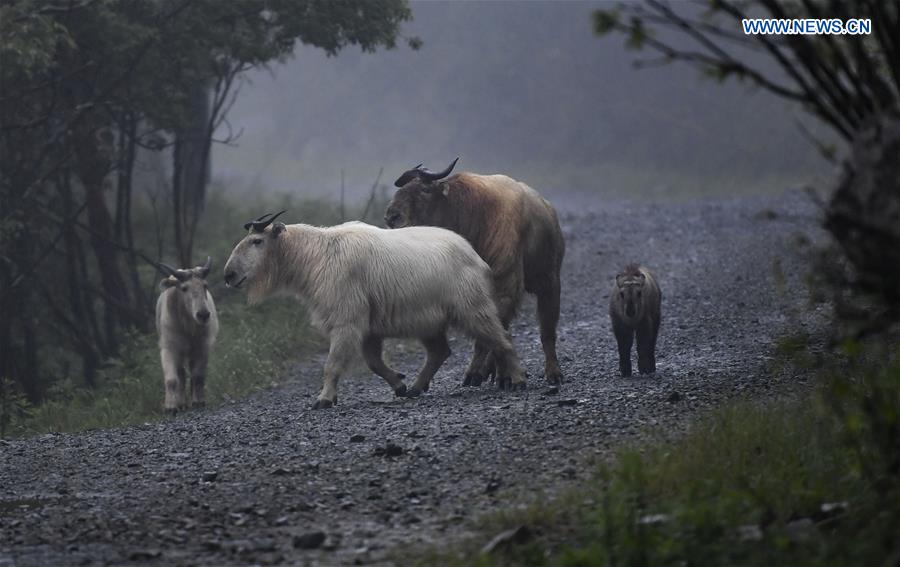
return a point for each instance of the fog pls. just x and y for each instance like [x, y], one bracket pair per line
[525, 89]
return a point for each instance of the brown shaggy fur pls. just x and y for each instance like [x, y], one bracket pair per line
[635, 311]
[513, 229]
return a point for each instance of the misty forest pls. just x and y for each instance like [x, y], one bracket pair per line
[396, 282]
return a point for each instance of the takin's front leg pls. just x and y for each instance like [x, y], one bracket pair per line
[198, 378]
[372, 351]
[646, 346]
[345, 344]
[624, 339]
[475, 373]
[173, 378]
[438, 350]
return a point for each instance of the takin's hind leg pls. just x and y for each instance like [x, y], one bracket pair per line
[486, 329]
[548, 318]
[372, 353]
[437, 351]
[485, 364]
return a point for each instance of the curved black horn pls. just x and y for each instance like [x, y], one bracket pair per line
[431, 176]
[204, 271]
[180, 275]
[423, 174]
[262, 222]
[249, 223]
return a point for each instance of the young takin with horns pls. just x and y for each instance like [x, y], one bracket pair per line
[363, 284]
[512, 228]
[187, 324]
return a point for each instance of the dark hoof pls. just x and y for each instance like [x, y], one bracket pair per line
[425, 389]
[473, 379]
[508, 384]
[198, 405]
[322, 404]
[555, 378]
[171, 412]
[413, 392]
[400, 390]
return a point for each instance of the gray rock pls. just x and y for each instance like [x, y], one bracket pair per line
[311, 540]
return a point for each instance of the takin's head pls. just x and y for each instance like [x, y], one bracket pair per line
[191, 287]
[250, 253]
[417, 200]
[630, 287]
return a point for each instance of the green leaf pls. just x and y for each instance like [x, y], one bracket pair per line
[605, 21]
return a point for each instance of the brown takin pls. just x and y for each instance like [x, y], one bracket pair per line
[187, 324]
[510, 226]
[635, 310]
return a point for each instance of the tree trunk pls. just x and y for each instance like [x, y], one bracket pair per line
[94, 158]
[89, 356]
[191, 173]
[178, 202]
[124, 228]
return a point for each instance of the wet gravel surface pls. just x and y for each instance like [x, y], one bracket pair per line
[268, 481]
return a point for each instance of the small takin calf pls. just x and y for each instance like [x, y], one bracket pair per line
[635, 309]
[363, 284]
[187, 324]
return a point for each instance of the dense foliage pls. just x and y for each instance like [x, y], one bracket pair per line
[91, 92]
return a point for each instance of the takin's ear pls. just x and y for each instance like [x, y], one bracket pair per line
[168, 282]
[620, 280]
[445, 189]
[278, 228]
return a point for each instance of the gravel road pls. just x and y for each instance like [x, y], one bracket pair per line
[268, 481]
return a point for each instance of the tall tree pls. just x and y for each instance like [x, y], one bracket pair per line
[83, 86]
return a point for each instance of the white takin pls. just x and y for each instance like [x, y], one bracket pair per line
[363, 284]
[187, 324]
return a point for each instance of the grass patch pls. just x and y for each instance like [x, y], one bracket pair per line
[791, 483]
[251, 353]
